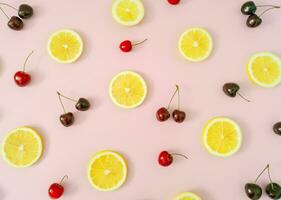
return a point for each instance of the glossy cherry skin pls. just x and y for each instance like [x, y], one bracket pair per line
[25, 11]
[273, 190]
[165, 159]
[253, 21]
[55, 191]
[67, 119]
[22, 78]
[174, 2]
[178, 116]
[162, 114]
[248, 8]
[253, 191]
[15, 23]
[277, 128]
[231, 89]
[126, 46]
[82, 104]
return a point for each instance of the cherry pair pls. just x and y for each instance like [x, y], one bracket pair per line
[24, 12]
[56, 190]
[232, 89]
[82, 104]
[163, 114]
[127, 45]
[165, 158]
[254, 191]
[250, 8]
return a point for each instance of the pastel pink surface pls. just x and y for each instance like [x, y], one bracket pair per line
[136, 133]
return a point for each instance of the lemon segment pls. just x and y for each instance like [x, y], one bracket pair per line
[107, 171]
[264, 69]
[195, 44]
[65, 46]
[127, 89]
[222, 137]
[128, 12]
[187, 196]
[22, 147]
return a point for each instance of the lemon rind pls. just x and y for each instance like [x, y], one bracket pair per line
[205, 133]
[78, 38]
[187, 194]
[120, 158]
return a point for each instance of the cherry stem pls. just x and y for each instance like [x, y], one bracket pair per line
[266, 6]
[268, 10]
[5, 4]
[178, 154]
[27, 60]
[67, 97]
[269, 176]
[4, 13]
[178, 97]
[63, 178]
[139, 42]
[61, 102]
[177, 88]
[266, 168]
[243, 97]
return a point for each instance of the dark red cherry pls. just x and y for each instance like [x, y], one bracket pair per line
[162, 114]
[178, 116]
[25, 11]
[82, 104]
[15, 23]
[67, 119]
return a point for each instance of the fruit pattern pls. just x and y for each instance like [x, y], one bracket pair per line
[107, 170]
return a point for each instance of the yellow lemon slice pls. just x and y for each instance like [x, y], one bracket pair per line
[222, 137]
[195, 44]
[107, 171]
[127, 89]
[187, 196]
[264, 69]
[128, 12]
[65, 46]
[22, 147]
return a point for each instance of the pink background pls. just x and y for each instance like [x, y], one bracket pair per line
[136, 133]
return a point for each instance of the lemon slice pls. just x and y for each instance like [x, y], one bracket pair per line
[264, 69]
[187, 196]
[195, 44]
[222, 137]
[127, 89]
[107, 171]
[22, 147]
[65, 46]
[128, 12]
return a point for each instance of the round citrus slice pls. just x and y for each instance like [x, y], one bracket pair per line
[65, 46]
[107, 171]
[127, 89]
[195, 44]
[264, 69]
[128, 12]
[222, 137]
[22, 147]
[187, 196]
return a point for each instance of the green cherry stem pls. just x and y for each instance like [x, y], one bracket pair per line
[177, 88]
[178, 96]
[5, 4]
[275, 7]
[139, 42]
[266, 6]
[27, 60]
[67, 97]
[178, 154]
[63, 178]
[61, 102]
[266, 168]
[4, 13]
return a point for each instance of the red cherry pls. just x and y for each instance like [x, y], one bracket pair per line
[165, 158]
[178, 116]
[174, 2]
[162, 114]
[56, 190]
[22, 78]
[127, 45]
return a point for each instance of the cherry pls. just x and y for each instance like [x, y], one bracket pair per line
[253, 191]
[25, 11]
[249, 7]
[127, 45]
[162, 114]
[273, 190]
[56, 190]
[21, 77]
[178, 116]
[232, 89]
[277, 128]
[82, 104]
[165, 158]
[67, 119]
[174, 2]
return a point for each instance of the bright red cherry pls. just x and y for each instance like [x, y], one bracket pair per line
[174, 2]
[165, 158]
[127, 45]
[56, 190]
[22, 78]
